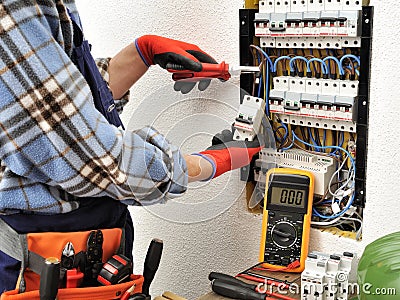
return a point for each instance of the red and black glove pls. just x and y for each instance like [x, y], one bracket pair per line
[225, 154]
[173, 54]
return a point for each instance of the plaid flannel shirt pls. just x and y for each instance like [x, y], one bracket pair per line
[55, 147]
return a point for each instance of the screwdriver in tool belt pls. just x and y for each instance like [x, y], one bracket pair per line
[151, 263]
[49, 277]
[222, 71]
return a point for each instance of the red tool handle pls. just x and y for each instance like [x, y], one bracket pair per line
[220, 70]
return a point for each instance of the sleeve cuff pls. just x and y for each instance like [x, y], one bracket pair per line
[141, 54]
[211, 161]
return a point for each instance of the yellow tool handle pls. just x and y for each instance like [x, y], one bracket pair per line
[172, 296]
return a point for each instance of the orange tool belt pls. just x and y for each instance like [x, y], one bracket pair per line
[32, 249]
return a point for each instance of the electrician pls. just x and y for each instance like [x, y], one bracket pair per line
[65, 166]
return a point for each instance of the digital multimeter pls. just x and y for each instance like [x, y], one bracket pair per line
[286, 218]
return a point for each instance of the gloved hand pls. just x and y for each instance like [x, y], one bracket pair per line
[225, 154]
[159, 50]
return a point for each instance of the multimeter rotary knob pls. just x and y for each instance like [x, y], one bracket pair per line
[284, 234]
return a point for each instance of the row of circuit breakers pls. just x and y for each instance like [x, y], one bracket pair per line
[320, 24]
[313, 25]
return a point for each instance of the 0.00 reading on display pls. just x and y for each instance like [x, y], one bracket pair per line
[288, 197]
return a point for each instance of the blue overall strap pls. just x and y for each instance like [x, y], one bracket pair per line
[84, 61]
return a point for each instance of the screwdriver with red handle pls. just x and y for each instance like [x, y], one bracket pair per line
[222, 71]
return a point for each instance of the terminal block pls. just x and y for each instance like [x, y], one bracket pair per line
[321, 166]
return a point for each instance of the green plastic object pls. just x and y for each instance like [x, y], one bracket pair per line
[378, 272]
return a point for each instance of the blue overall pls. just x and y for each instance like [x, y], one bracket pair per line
[93, 213]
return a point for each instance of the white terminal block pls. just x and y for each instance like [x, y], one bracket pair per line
[261, 24]
[352, 4]
[348, 88]
[333, 4]
[282, 6]
[330, 87]
[298, 5]
[248, 121]
[297, 84]
[315, 5]
[266, 6]
[313, 86]
[268, 42]
[294, 24]
[281, 83]
[321, 166]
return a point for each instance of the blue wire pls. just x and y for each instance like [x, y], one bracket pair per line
[341, 138]
[277, 60]
[295, 58]
[327, 147]
[286, 130]
[312, 139]
[266, 56]
[267, 92]
[276, 137]
[324, 66]
[288, 147]
[260, 78]
[266, 79]
[316, 213]
[341, 70]
[356, 58]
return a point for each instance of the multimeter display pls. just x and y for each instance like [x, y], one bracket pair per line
[288, 197]
[286, 218]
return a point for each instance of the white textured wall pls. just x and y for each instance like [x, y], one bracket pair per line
[229, 241]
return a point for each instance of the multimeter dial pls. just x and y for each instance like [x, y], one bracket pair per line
[284, 234]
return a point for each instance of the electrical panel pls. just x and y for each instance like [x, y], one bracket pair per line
[314, 57]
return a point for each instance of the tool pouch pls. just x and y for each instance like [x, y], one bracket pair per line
[33, 248]
[93, 293]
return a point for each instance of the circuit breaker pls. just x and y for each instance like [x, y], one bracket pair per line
[315, 62]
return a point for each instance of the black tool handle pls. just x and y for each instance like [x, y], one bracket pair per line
[49, 278]
[151, 263]
[229, 290]
[231, 279]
